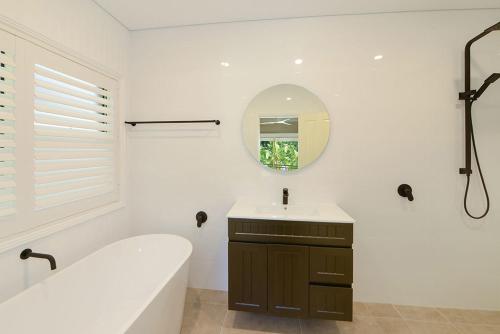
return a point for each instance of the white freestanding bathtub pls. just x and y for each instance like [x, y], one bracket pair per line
[134, 286]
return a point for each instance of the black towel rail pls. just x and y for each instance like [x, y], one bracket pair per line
[216, 121]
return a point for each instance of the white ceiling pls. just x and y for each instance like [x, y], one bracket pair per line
[145, 14]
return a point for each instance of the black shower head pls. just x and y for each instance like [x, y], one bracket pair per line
[493, 28]
[491, 79]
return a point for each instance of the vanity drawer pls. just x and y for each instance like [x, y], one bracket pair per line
[332, 303]
[330, 265]
[290, 232]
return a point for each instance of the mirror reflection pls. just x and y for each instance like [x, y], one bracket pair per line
[286, 127]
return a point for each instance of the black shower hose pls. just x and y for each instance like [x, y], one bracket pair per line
[482, 181]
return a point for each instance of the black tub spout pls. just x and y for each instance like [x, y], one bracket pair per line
[27, 253]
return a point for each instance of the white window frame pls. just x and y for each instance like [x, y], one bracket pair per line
[25, 35]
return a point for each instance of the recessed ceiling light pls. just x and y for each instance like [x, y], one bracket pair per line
[224, 64]
[378, 57]
[298, 61]
[289, 99]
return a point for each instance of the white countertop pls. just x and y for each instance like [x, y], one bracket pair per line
[325, 213]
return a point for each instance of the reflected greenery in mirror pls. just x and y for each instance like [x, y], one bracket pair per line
[286, 127]
[279, 145]
[281, 155]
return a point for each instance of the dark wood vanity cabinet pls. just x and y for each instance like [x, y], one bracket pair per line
[288, 268]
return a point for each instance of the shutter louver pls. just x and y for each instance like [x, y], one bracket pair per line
[74, 140]
[7, 134]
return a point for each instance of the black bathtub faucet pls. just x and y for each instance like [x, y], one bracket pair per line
[27, 253]
[285, 196]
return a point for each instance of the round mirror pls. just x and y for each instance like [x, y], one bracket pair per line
[286, 127]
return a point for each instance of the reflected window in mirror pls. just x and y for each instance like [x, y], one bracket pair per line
[279, 142]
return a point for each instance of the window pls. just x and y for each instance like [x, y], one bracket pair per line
[59, 142]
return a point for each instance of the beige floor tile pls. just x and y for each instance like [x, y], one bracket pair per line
[206, 313]
[477, 329]
[393, 326]
[241, 331]
[201, 329]
[317, 326]
[192, 296]
[261, 323]
[457, 315]
[420, 327]
[213, 296]
[471, 316]
[427, 314]
[203, 318]
[489, 317]
[359, 308]
[382, 310]
[360, 325]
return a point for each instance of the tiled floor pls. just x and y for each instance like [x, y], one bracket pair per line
[206, 313]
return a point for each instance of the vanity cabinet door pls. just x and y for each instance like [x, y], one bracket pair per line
[288, 280]
[248, 277]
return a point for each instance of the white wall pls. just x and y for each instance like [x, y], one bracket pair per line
[83, 27]
[394, 121]
[77, 24]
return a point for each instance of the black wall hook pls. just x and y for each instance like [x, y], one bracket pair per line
[404, 190]
[201, 218]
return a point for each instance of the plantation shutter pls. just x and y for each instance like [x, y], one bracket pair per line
[59, 140]
[74, 143]
[7, 133]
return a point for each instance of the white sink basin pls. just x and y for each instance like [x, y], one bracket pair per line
[329, 213]
[284, 210]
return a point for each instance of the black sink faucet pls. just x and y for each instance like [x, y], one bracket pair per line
[285, 196]
[27, 253]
